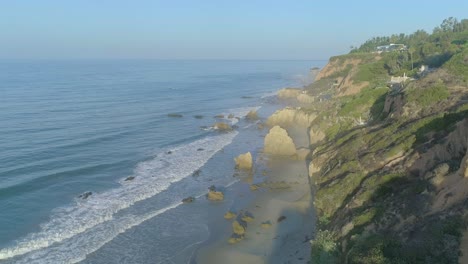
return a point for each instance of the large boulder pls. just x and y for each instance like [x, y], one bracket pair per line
[244, 161]
[278, 142]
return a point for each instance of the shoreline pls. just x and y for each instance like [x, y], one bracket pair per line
[281, 204]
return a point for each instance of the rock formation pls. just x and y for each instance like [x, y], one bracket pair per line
[223, 127]
[244, 161]
[278, 142]
[291, 116]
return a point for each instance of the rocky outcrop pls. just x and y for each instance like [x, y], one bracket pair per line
[252, 115]
[315, 135]
[453, 147]
[214, 194]
[464, 166]
[223, 127]
[291, 116]
[289, 93]
[278, 142]
[244, 161]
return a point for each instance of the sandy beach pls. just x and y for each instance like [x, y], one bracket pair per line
[280, 203]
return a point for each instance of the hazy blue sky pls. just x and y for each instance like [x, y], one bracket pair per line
[207, 29]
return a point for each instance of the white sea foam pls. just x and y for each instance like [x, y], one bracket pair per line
[96, 216]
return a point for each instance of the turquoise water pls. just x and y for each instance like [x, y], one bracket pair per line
[70, 127]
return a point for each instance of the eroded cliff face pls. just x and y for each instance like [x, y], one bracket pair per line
[393, 181]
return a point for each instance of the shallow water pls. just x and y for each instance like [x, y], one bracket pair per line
[75, 126]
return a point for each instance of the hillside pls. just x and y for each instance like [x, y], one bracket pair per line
[389, 161]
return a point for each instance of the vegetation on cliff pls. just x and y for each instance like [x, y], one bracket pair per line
[389, 174]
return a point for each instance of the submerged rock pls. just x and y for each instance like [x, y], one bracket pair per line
[198, 116]
[278, 142]
[189, 199]
[235, 238]
[196, 173]
[219, 116]
[130, 178]
[230, 116]
[281, 218]
[175, 115]
[85, 195]
[244, 161]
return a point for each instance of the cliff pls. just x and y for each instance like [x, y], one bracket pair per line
[389, 162]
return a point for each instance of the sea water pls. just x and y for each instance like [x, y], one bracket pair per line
[72, 127]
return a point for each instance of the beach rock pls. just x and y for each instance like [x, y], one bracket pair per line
[235, 238]
[85, 195]
[278, 142]
[223, 127]
[198, 116]
[238, 227]
[302, 153]
[291, 116]
[188, 199]
[247, 217]
[229, 215]
[244, 161]
[254, 187]
[130, 178]
[219, 116]
[266, 224]
[289, 93]
[260, 126]
[230, 116]
[215, 196]
[252, 115]
[196, 173]
[175, 115]
[281, 218]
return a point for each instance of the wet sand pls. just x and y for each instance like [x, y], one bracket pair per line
[284, 199]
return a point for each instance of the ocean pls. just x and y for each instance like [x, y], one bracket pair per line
[69, 128]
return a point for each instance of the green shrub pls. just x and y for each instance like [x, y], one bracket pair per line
[324, 248]
[426, 97]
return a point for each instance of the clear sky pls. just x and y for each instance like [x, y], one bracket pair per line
[207, 29]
